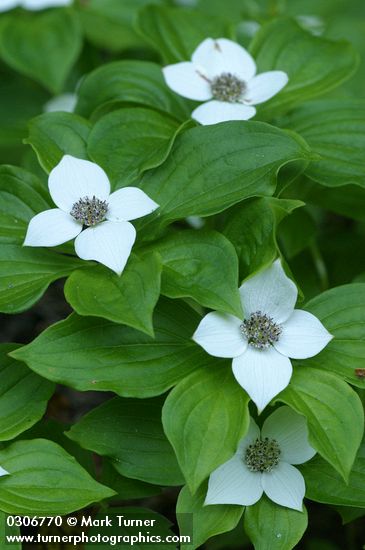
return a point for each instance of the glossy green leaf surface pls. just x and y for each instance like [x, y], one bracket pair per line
[274, 527]
[130, 299]
[23, 395]
[128, 141]
[22, 196]
[342, 312]
[213, 167]
[43, 46]
[53, 135]
[313, 64]
[43, 477]
[129, 432]
[335, 129]
[325, 485]
[336, 433]
[26, 273]
[206, 407]
[190, 261]
[175, 33]
[128, 82]
[88, 353]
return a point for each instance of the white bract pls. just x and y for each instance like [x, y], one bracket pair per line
[271, 332]
[223, 74]
[263, 464]
[81, 191]
[3, 472]
[33, 5]
[65, 103]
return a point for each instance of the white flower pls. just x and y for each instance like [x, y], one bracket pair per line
[33, 5]
[3, 472]
[271, 332]
[196, 222]
[65, 103]
[81, 190]
[222, 73]
[263, 464]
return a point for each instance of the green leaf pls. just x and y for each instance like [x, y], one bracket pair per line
[205, 408]
[190, 261]
[132, 82]
[336, 130]
[339, 248]
[274, 527]
[130, 300]
[26, 273]
[334, 432]
[44, 480]
[129, 431]
[22, 196]
[53, 135]
[95, 354]
[129, 141]
[175, 33]
[208, 521]
[342, 311]
[314, 64]
[126, 488]
[20, 100]
[43, 46]
[54, 430]
[251, 227]
[349, 514]
[324, 484]
[23, 395]
[213, 167]
[347, 200]
[296, 233]
[109, 23]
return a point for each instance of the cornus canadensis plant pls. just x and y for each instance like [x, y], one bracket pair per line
[162, 348]
[81, 190]
[271, 332]
[223, 73]
[263, 464]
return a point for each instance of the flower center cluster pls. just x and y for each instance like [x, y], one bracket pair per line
[263, 455]
[260, 330]
[227, 87]
[89, 211]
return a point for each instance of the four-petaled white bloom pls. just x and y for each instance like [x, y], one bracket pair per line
[271, 332]
[81, 190]
[263, 464]
[33, 5]
[223, 73]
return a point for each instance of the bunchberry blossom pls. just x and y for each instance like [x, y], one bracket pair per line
[33, 5]
[263, 464]
[271, 332]
[64, 103]
[81, 191]
[223, 74]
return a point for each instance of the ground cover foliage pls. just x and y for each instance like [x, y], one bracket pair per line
[208, 223]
